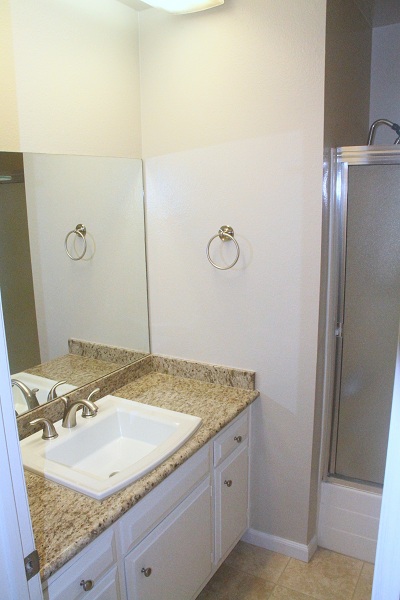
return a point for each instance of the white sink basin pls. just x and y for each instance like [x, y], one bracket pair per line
[104, 454]
[34, 381]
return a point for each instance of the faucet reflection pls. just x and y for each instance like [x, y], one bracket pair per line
[29, 395]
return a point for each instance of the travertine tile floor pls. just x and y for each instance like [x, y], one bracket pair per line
[252, 573]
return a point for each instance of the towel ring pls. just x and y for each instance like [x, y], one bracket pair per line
[226, 234]
[79, 230]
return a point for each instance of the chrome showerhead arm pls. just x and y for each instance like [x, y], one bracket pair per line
[375, 124]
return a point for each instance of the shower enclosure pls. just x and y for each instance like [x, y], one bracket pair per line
[363, 307]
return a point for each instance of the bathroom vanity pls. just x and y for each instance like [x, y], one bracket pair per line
[163, 536]
[171, 543]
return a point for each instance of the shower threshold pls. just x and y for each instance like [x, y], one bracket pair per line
[357, 484]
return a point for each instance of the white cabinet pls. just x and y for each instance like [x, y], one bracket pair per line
[169, 544]
[231, 487]
[231, 502]
[175, 559]
[88, 574]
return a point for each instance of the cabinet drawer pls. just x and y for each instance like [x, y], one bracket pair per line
[231, 502]
[175, 559]
[91, 564]
[232, 438]
[105, 589]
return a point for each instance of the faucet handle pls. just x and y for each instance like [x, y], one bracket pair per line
[49, 431]
[87, 413]
[52, 393]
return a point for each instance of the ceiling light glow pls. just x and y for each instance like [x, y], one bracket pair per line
[184, 6]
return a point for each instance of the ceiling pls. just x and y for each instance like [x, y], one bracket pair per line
[377, 12]
[380, 12]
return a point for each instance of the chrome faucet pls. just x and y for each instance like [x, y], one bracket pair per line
[29, 395]
[69, 418]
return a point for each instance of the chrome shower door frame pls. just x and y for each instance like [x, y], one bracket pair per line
[341, 159]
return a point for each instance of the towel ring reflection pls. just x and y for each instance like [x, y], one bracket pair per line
[80, 230]
[226, 234]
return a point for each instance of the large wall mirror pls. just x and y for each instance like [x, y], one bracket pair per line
[71, 320]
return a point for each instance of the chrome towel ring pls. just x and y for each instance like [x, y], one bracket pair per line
[80, 230]
[226, 234]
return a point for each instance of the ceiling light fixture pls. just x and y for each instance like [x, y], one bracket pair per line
[183, 6]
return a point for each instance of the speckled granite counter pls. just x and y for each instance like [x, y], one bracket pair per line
[74, 369]
[85, 362]
[65, 521]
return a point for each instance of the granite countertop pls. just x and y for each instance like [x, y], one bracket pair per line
[74, 369]
[85, 362]
[65, 521]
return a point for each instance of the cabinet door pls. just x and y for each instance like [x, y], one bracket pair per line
[231, 501]
[174, 560]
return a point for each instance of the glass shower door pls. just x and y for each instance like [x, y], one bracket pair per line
[368, 331]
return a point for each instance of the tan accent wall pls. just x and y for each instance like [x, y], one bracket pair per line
[72, 73]
[9, 134]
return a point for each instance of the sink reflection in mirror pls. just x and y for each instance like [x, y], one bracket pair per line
[42, 387]
[48, 298]
[102, 455]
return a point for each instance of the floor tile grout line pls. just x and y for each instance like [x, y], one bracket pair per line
[252, 575]
[270, 594]
[357, 582]
[297, 591]
[249, 574]
[286, 566]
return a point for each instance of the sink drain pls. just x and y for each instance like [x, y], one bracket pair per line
[112, 474]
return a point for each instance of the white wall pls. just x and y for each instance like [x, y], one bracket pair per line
[232, 122]
[385, 82]
[77, 77]
[101, 298]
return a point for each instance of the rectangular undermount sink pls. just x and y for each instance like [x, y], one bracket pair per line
[103, 454]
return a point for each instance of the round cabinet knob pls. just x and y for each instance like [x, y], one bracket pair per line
[146, 572]
[87, 585]
[238, 438]
[228, 482]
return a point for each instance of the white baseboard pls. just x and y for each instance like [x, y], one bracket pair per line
[348, 521]
[302, 552]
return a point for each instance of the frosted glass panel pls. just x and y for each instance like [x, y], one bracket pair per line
[371, 319]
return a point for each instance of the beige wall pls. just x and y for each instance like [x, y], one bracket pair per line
[232, 107]
[9, 134]
[385, 83]
[77, 77]
[16, 280]
[347, 75]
